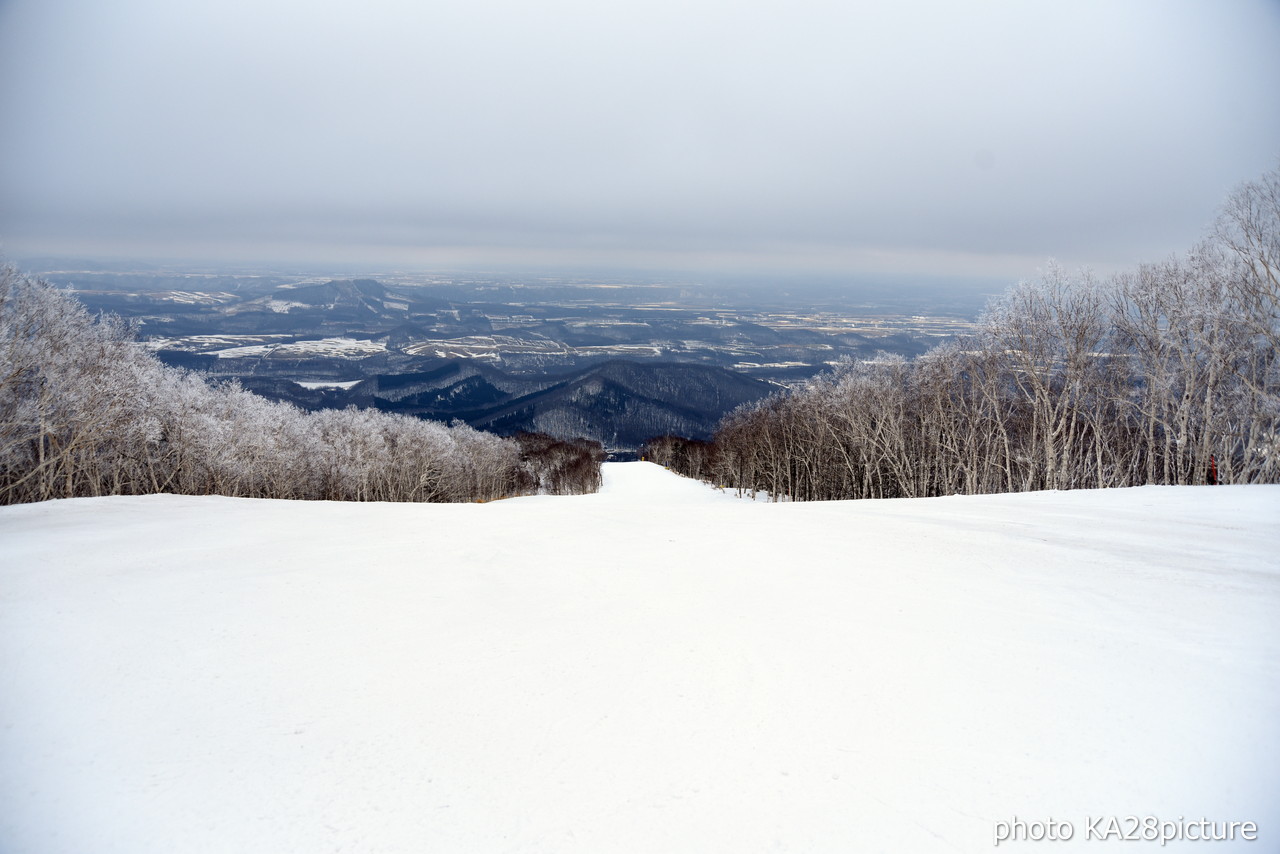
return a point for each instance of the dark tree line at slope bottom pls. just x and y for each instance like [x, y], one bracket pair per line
[1167, 375]
[85, 411]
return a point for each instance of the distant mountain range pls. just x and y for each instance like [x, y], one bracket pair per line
[619, 403]
[619, 363]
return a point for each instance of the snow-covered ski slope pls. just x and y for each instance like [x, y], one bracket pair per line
[657, 668]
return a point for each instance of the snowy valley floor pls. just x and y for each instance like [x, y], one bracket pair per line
[657, 668]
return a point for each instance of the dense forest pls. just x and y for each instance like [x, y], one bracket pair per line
[1165, 375]
[85, 411]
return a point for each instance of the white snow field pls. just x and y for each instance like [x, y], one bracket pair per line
[658, 668]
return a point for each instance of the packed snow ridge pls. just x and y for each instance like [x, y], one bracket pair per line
[661, 667]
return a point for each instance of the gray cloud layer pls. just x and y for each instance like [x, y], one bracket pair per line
[930, 136]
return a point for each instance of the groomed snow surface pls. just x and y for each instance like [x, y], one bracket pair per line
[658, 668]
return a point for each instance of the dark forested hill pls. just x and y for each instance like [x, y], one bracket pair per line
[619, 403]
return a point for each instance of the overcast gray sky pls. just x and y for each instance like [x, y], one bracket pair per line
[910, 137]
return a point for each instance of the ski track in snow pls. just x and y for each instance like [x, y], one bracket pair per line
[661, 667]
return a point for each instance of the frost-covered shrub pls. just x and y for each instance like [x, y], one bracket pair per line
[553, 466]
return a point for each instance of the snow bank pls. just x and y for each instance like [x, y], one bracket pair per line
[659, 667]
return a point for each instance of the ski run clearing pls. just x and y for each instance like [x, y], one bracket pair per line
[661, 667]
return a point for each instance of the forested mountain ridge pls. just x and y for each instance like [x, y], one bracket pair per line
[619, 403]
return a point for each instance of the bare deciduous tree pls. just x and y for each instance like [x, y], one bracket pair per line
[1166, 375]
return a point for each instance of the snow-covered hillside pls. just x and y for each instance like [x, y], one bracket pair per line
[657, 668]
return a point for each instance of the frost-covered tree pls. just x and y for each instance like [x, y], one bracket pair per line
[85, 411]
[1165, 375]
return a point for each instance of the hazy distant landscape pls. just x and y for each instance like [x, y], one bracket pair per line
[617, 359]
[525, 323]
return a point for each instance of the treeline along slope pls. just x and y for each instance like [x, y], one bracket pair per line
[1166, 375]
[85, 411]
